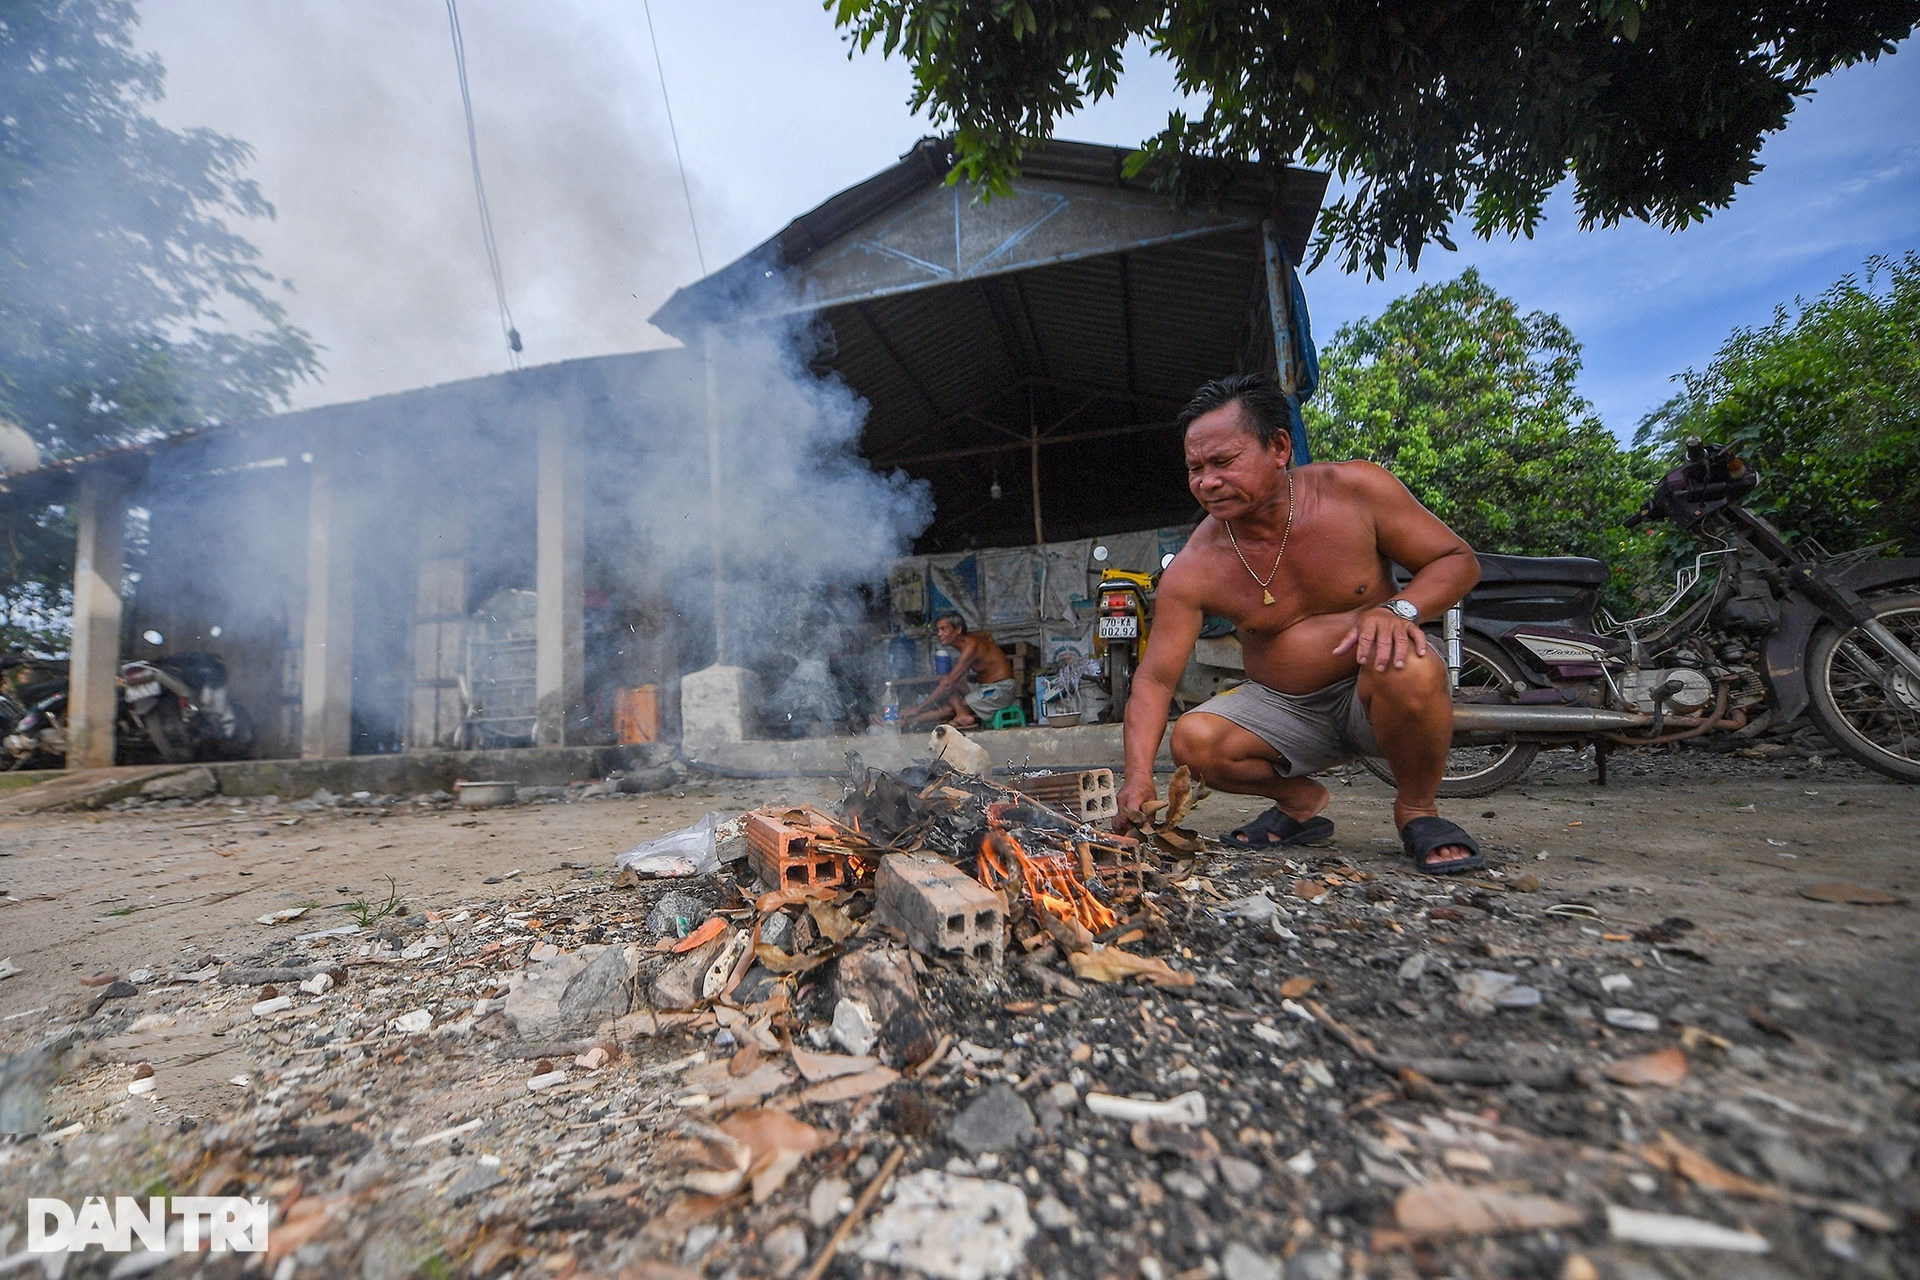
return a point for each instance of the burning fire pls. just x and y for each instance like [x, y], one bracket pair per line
[1049, 879]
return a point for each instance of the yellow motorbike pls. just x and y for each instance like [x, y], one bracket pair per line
[1125, 620]
[1125, 600]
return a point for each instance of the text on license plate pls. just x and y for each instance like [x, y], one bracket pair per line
[1125, 628]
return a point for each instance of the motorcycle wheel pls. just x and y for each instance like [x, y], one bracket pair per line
[169, 732]
[1478, 770]
[1119, 680]
[1866, 705]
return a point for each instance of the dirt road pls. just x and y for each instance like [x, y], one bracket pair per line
[1715, 855]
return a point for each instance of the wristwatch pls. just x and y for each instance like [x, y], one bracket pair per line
[1405, 610]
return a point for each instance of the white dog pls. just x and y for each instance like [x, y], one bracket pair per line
[960, 751]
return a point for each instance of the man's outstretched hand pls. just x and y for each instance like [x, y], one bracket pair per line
[1382, 639]
[1134, 796]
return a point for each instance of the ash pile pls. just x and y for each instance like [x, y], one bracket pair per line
[955, 1028]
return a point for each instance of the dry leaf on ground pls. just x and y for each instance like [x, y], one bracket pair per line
[849, 1086]
[710, 1161]
[830, 1066]
[1666, 1067]
[706, 933]
[1110, 964]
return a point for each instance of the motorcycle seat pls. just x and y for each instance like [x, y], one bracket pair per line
[1569, 570]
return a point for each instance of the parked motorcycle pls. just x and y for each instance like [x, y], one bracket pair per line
[180, 705]
[1776, 632]
[1125, 620]
[33, 730]
[1125, 613]
[175, 710]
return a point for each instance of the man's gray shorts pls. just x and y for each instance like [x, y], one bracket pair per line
[1311, 731]
[985, 699]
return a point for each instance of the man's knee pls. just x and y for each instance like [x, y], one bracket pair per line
[1420, 686]
[1196, 743]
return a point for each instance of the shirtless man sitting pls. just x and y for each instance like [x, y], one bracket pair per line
[980, 683]
[1337, 663]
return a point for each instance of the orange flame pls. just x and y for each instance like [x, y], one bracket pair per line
[1048, 878]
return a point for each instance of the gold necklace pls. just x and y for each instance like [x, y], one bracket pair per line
[1266, 596]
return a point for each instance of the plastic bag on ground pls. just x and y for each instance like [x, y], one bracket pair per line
[691, 851]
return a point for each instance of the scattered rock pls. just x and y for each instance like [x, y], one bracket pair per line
[853, 1027]
[571, 991]
[678, 985]
[189, 784]
[676, 915]
[1238, 1262]
[998, 1120]
[881, 978]
[951, 1228]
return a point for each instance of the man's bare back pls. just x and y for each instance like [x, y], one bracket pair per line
[978, 660]
[1299, 560]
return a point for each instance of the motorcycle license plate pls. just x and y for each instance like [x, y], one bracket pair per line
[1127, 628]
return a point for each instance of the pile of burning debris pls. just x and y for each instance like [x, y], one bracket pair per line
[960, 1029]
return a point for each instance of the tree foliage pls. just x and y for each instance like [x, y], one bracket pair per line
[1825, 400]
[128, 306]
[1657, 108]
[125, 296]
[1472, 405]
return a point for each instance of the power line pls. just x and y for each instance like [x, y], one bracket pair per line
[507, 330]
[674, 134]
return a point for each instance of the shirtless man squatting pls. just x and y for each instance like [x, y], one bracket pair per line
[1337, 665]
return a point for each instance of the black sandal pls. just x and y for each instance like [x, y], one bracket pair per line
[1424, 837]
[1259, 833]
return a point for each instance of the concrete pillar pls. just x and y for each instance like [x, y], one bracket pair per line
[435, 710]
[559, 652]
[326, 655]
[93, 697]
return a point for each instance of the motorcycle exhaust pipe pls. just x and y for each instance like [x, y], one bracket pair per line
[1476, 718]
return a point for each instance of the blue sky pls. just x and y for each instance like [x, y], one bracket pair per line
[353, 111]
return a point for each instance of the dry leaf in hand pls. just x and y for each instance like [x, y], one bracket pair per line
[1180, 797]
[1110, 964]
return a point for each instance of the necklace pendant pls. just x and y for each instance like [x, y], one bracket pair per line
[1266, 597]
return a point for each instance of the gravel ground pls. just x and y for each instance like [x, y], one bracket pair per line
[390, 1120]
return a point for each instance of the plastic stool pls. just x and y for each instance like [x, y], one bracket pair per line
[1008, 718]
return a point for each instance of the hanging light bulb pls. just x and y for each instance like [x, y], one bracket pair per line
[994, 492]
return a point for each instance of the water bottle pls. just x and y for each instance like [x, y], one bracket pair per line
[890, 705]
